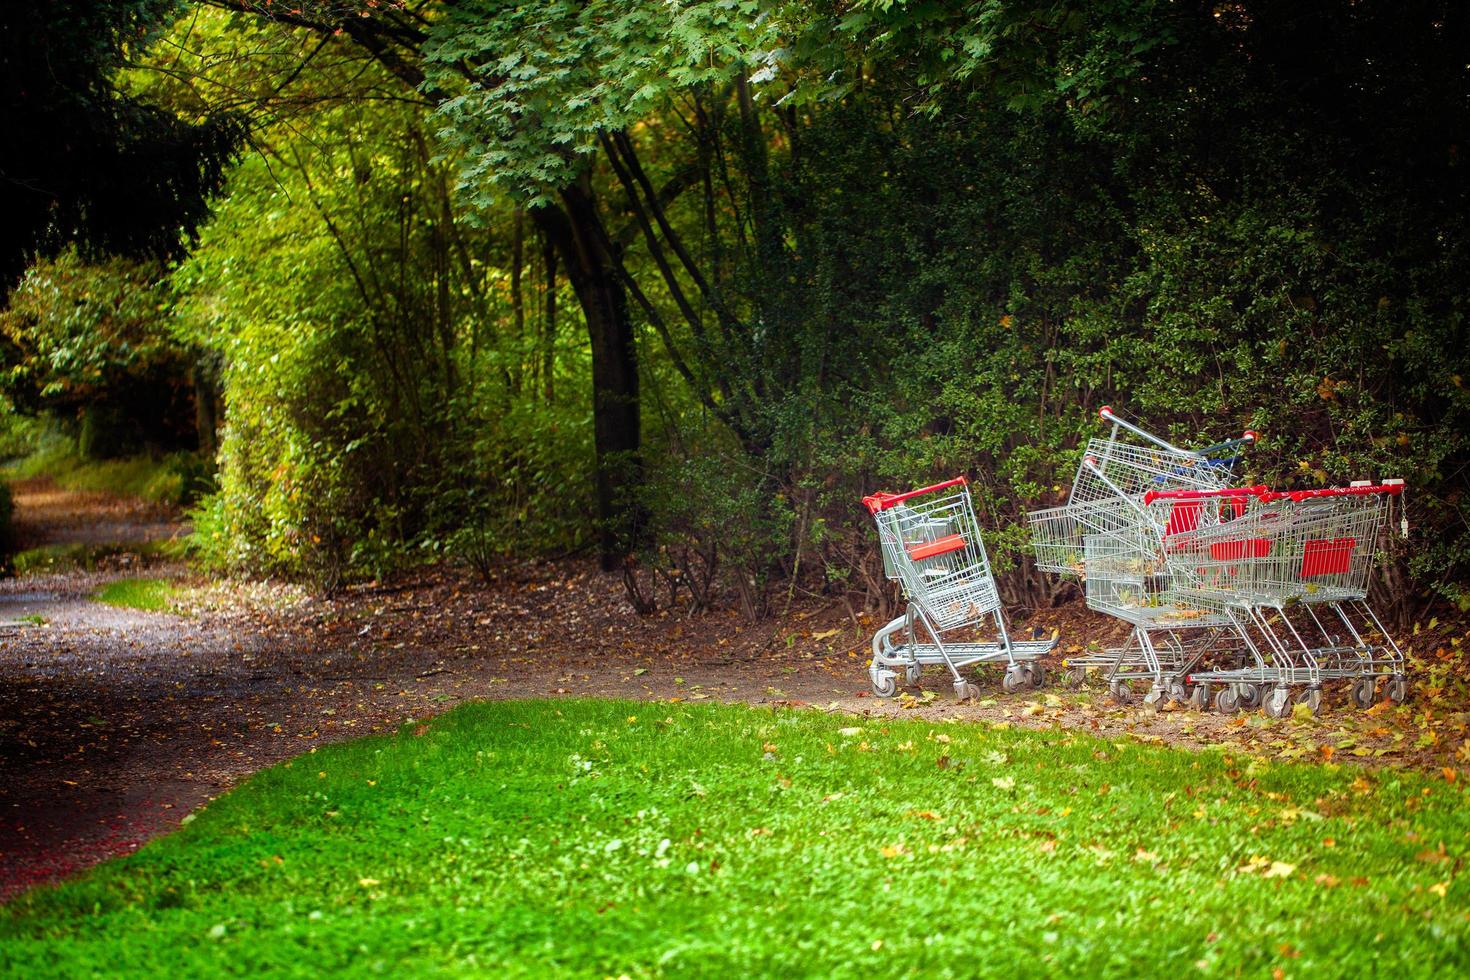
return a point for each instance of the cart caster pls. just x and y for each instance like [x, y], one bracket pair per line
[1199, 697]
[1312, 698]
[1278, 703]
[1180, 692]
[1155, 699]
[1364, 692]
[1398, 689]
[1074, 677]
[1121, 691]
[1227, 702]
[1250, 696]
[885, 682]
[1015, 679]
[911, 673]
[1035, 674]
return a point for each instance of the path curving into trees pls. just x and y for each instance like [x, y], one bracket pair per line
[116, 723]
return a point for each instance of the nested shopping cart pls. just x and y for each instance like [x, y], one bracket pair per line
[932, 547]
[1107, 536]
[1291, 571]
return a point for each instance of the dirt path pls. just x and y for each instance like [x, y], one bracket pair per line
[46, 514]
[114, 724]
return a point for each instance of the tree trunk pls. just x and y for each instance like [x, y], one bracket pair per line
[548, 325]
[586, 250]
[517, 304]
[206, 407]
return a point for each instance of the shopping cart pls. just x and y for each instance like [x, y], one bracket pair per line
[932, 547]
[1291, 571]
[1110, 538]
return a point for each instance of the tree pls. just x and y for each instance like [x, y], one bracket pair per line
[85, 162]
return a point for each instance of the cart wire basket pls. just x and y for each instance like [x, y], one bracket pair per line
[931, 545]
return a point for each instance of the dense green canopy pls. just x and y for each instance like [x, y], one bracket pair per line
[85, 162]
[684, 280]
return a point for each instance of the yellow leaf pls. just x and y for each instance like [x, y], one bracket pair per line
[1279, 869]
[368, 882]
[1440, 887]
[826, 635]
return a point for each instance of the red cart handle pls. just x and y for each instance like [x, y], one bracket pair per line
[882, 500]
[1390, 487]
[1152, 495]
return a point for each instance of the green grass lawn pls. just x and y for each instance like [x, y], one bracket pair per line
[607, 838]
[147, 594]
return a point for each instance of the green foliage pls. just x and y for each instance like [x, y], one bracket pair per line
[177, 479]
[93, 341]
[716, 522]
[864, 246]
[377, 411]
[53, 559]
[707, 840]
[86, 162]
[548, 79]
[146, 594]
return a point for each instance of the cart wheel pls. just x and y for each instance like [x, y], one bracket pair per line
[1121, 691]
[1312, 698]
[1398, 689]
[1227, 702]
[1179, 691]
[1035, 673]
[1250, 696]
[1014, 679]
[911, 673]
[965, 691]
[1364, 692]
[1074, 677]
[1199, 697]
[1278, 703]
[885, 683]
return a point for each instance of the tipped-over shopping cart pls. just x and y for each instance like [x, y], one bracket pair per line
[1107, 536]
